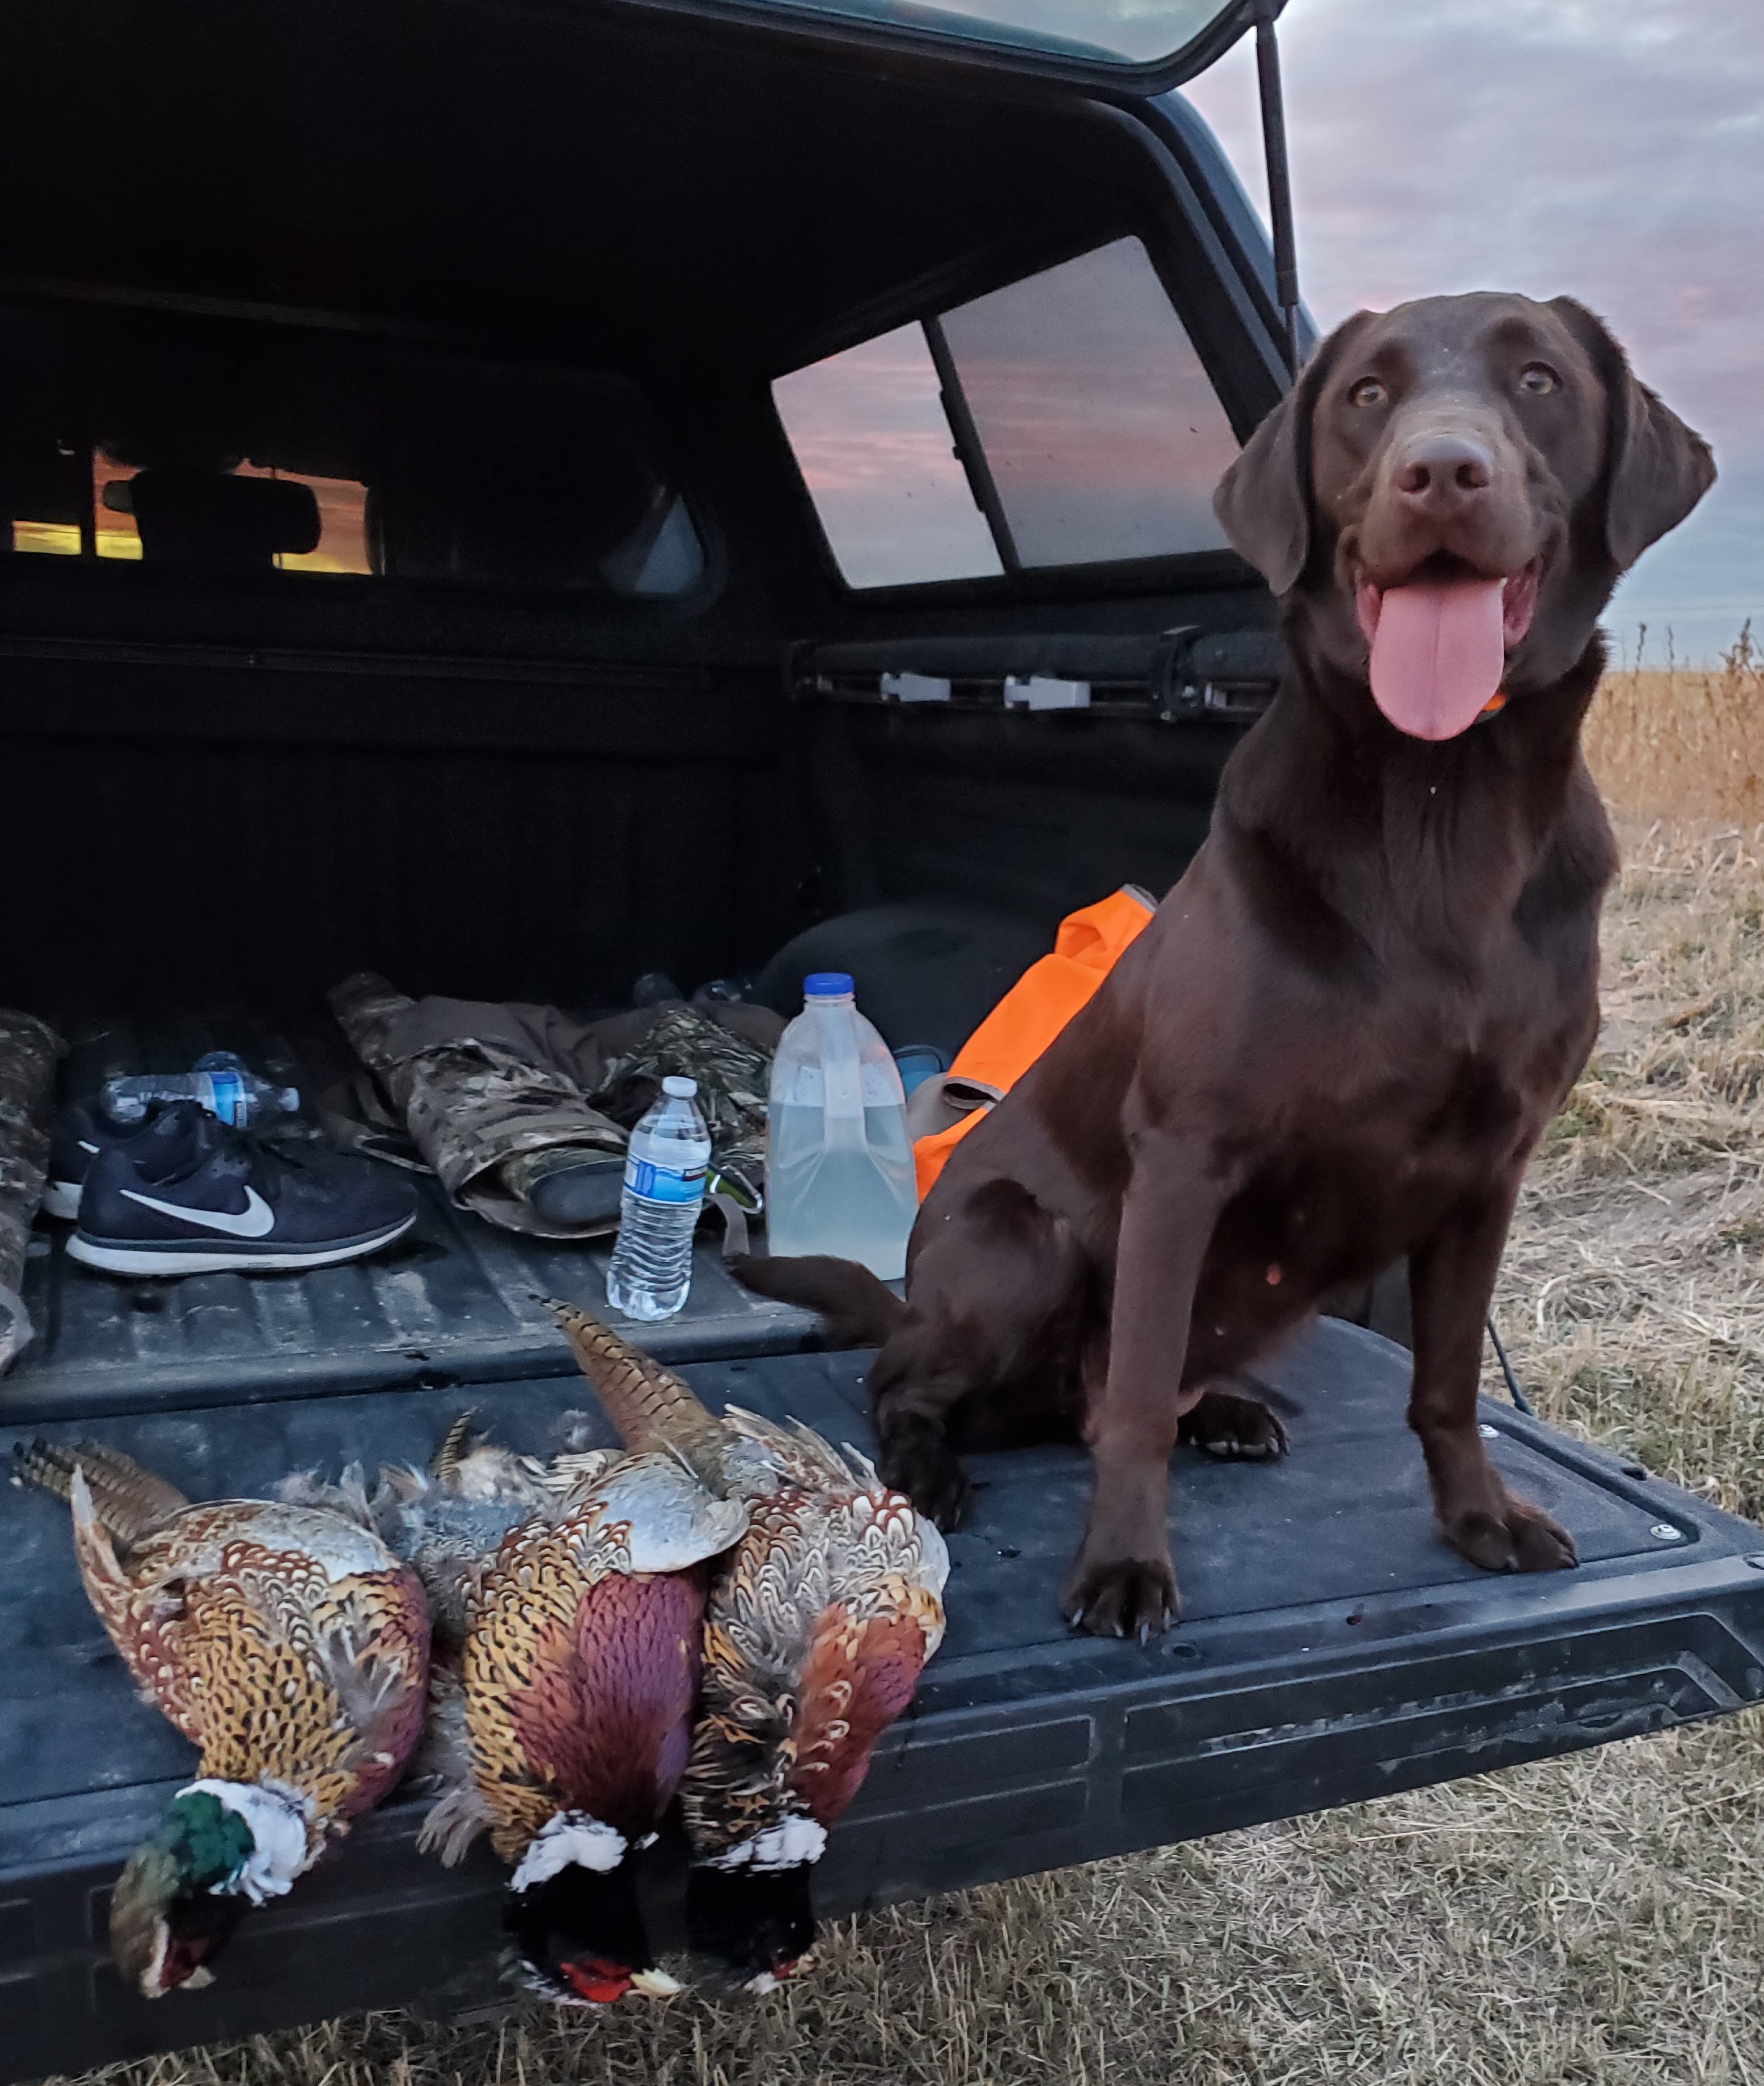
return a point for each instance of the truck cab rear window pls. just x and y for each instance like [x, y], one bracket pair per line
[216, 446]
[205, 519]
[1064, 420]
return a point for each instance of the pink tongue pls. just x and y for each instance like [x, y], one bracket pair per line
[1437, 655]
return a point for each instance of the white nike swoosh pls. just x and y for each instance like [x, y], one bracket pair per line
[93, 1149]
[254, 1220]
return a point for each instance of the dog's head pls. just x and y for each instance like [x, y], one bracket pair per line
[1449, 493]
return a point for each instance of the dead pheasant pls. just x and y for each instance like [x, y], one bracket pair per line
[446, 1520]
[819, 1621]
[562, 1720]
[288, 1642]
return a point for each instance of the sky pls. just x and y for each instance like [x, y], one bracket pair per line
[1613, 149]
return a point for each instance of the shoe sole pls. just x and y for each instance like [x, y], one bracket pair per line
[60, 1198]
[116, 1258]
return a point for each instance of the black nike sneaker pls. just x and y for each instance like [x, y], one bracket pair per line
[81, 1131]
[186, 1195]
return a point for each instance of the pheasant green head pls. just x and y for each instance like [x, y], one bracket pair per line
[178, 1899]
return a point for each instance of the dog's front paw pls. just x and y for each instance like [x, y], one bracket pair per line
[1128, 1597]
[922, 1465]
[1225, 1424]
[1515, 1537]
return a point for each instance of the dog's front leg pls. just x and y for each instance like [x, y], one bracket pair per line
[1122, 1582]
[1451, 1281]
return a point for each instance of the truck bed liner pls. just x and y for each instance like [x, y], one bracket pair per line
[1331, 1650]
[455, 1301]
[452, 1302]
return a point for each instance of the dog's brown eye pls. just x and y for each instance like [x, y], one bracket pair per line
[1538, 378]
[1367, 392]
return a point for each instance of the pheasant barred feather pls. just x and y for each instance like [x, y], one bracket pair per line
[523, 1617]
[649, 1404]
[127, 1499]
[801, 1455]
[447, 1521]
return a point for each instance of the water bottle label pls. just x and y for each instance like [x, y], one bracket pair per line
[661, 1183]
[227, 1097]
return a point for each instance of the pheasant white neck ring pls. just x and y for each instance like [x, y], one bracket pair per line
[571, 1838]
[277, 1818]
[793, 1841]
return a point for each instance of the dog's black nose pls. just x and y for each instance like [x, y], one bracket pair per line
[1439, 471]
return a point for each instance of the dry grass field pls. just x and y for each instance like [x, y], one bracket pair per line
[1683, 742]
[1599, 1918]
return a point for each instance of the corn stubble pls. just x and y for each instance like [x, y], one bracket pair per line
[1599, 1917]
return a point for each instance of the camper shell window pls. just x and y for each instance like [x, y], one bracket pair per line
[1065, 418]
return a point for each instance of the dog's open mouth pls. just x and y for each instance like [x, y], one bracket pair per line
[1439, 642]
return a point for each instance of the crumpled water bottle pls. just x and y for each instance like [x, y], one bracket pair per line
[221, 1082]
[670, 1149]
[838, 1165]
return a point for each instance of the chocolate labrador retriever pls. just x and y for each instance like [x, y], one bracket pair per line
[1344, 1030]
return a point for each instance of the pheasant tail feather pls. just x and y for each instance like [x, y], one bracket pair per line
[128, 1500]
[649, 1405]
[101, 1571]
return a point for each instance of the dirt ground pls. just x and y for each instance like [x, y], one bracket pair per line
[1597, 1918]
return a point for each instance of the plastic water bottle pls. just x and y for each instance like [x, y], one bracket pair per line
[652, 1263]
[839, 1167]
[221, 1082]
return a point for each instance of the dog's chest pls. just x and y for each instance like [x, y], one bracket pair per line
[1439, 1078]
[1421, 1103]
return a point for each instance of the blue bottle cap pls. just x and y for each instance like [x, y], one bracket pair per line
[827, 985]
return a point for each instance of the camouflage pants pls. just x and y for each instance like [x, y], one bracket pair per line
[28, 1049]
[489, 1092]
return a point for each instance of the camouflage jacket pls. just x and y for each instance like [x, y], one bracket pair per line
[489, 1091]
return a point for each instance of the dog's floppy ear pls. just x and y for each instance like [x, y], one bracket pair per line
[1657, 469]
[1262, 502]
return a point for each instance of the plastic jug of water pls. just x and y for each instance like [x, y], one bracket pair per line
[839, 1167]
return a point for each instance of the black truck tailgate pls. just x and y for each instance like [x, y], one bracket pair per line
[1331, 1650]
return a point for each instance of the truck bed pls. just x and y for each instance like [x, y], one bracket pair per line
[454, 1301]
[1331, 1650]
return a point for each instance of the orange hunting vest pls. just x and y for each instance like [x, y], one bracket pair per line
[1032, 1013]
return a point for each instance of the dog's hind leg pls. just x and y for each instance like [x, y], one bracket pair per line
[994, 1299]
[1233, 1423]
